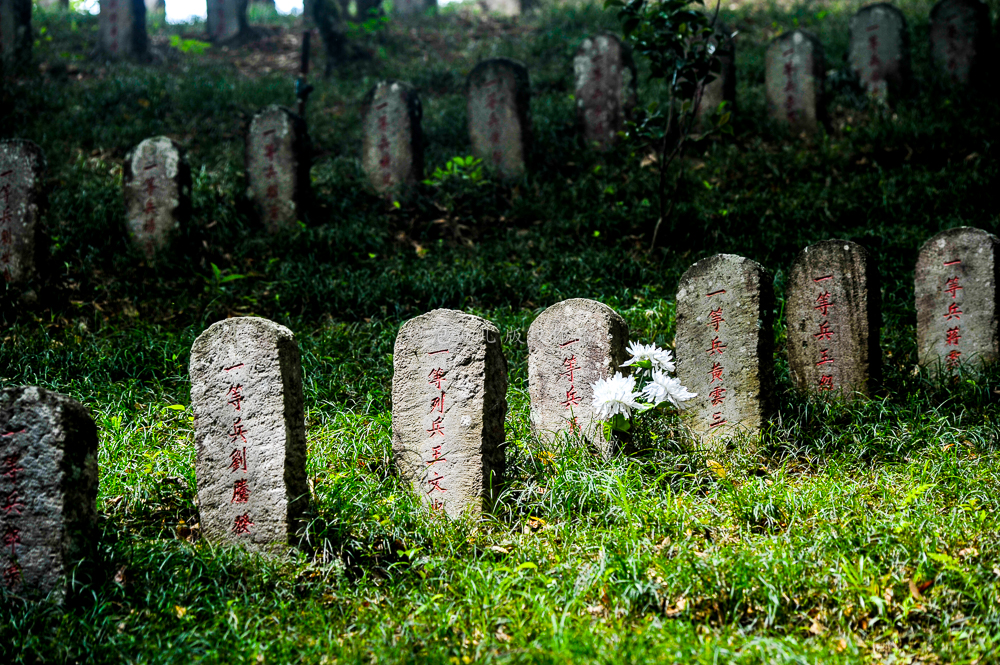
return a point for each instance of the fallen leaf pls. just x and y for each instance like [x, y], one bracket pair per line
[716, 468]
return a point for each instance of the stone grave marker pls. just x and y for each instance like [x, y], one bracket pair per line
[957, 300]
[392, 153]
[502, 7]
[449, 400]
[277, 162]
[722, 88]
[122, 25]
[571, 345]
[879, 51]
[22, 239]
[246, 393]
[499, 98]
[605, 88]
[157, 193]
[408, 7]
[960, 39]
[794, 72]
[833, 320]
[48, 489]
[725, 345]
[226, 19]
[15, 33]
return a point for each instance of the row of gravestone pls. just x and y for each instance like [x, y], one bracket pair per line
[449, 390]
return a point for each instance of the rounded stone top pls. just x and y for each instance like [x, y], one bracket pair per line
[256, 326]
[968, 231]
[24, 147]
[570, 306]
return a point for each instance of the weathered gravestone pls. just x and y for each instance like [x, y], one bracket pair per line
[957, 300]
[15, 33]
[502, 7]
[960, 39]
[794, 72]
[879, 51]
[122, 26]
[246, 393]
[725, 345]
[722, 88]
[499, 98]
[48, 489]
[278, 160]
[605, 88]
[833, 320]
[392, 153]
[571, 345]
[157, 193]
[22, 246]
[226, 20]
[409, 7]
[449, 400]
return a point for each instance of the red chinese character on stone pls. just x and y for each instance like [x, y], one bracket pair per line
[715, 318]
[270, 172]
[6, 217]
[717, 347]
[238, 459]
[12, 503]
[951, 286]
[5, 193]
[9, 467]
[491, 101]
[242, 524]
[436, 377]
[238, 431]
[952, 336]
[12, 538]
[436, 452]
[571, 366]
[717, 395]
[717, 420]
[436, 427]
[953, 358]
[6, 238]
[715, 373]
[237, 396]
[493, 120]
[824, 357]
[435, 484]
[572, 399]
[824, 331]
[823, 303]
[270, 149]
[272, 191]
[953, 312]
[11, 575]
[241, 491]
[437, 404]
[826, 382]
[383, 123]
[150, 185]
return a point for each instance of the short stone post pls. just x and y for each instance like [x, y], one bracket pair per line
[605, 88]
[725, 345]
[277, 163]
[957, 300]
[449, 400]
[157, 193]
[246, 393]
[499, 98]
[879, 51]
[571, 345]
[15, 33]
[392, 153]
[794, 72]
[722, 88]
[22, 238]
[226, 20]
[960, 40]
[122, 25]
[833, 320]
[48, 490]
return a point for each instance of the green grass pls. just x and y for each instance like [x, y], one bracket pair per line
[851, 534]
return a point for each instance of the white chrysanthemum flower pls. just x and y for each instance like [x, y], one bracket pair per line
[615, 395]
[662, 358]
[664, 387]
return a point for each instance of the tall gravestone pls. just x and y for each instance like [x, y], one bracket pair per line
[249, 422]
[794, 73]
[571, 345]
[503, 7]
[15, 33]
[879, 51]
[722, 88]
[605, 79]
[157, 193]
[48, 489]
[392, 152]
[961, 40]
[449, 400]
[226, 20]
[725, 345]
[277, 162]
[499, 98]
[833, 320]
[122, 26]
[22, 238]
[957, 300]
